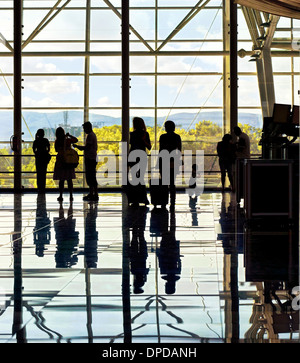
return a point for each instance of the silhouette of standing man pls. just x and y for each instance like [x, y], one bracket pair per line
[90, 161]
[170, 142]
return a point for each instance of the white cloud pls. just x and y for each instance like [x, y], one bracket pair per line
[6, 100]
[44, 102]
[46, 67]
[104, 102]
[51, 85]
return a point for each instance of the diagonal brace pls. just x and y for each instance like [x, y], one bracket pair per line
[46, 20]
[185, 20]
[110, 5]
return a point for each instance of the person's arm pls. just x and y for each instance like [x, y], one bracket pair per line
[48, 146]
[218, 149]
[161, 143]
[79, 147]
[179, 146]
[147, 141]
[34, 146]
[72, 139]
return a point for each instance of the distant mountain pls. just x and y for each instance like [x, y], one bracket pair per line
[35, 120]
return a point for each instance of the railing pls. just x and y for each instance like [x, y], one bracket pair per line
[28, 173]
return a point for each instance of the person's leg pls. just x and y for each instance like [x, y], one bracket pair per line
[90, 175]
[230, 175]
[87, 179]
[70, 187]
[41, 171]
[61, 189]
[94, 183]
[172, 187]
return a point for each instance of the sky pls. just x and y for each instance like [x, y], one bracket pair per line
[50, 91]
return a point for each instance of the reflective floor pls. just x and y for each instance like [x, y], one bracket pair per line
[105, 272]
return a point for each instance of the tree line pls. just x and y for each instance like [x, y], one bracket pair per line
[204, 136]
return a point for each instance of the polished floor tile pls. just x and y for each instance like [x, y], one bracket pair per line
[105, 272]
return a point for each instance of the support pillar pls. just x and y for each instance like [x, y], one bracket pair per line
[125, 139]
[226, 67]
[125, 89]
[125, 71]
[18, 95]
[233, 65]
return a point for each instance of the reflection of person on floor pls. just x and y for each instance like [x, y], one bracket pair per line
[67, 238]
[41, 232]
[193, 209]
[91, 237]
[194, 191]
[138, 248]
[169, 258]
[159, 222]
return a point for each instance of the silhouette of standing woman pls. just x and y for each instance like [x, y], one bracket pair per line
[140, 140]
[61, 172]
[41, 149]
[171, 141]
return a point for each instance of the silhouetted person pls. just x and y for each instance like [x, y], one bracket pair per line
[194, 191]
[139, 140]
[67, 239]
[138, 252]
[41, 149]
[41, 232]
[171, 142]
[139, 137]
[242, 153]
[226, 154]
[90, 161]
[61, 172]
[169, 257]
[91, 237]
[243, 144]
[193, 209]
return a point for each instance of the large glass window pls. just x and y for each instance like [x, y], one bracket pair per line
[179, 70]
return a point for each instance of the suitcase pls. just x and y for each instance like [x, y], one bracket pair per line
[136, 194]
[159, 194]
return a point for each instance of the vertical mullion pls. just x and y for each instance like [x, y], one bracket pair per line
[156, 83]
[87, 71]
[18, 7]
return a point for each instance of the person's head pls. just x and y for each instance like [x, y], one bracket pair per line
[237, 131]
[169, 126]
[138, 124]
[227, 138]
[87, 127]
[40, 133]
[60, 133]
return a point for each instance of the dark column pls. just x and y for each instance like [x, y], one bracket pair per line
[233, 65]
[125, 139]
[18, 93]
[125, 71]
[126, 274]
[18, 329]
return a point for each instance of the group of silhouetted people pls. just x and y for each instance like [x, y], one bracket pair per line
[228, 151]
[65, 171]
[140, 140]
